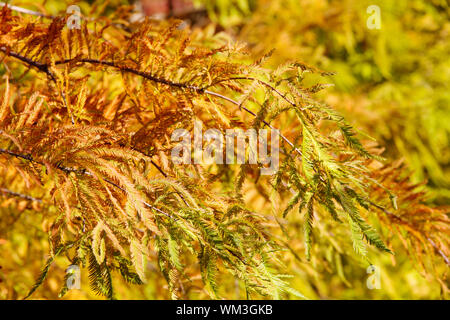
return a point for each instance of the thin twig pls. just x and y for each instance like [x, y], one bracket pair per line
[143, 74]
[20, 195]
[17, 155]
[162, 172]
[387, 212]
[212, 93]
[148, 76]
[40, 66]
[80, 171]
[268, 85]
[439, 250]
[26, 11]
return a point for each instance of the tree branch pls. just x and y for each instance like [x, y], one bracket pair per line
[143, 74]
[20, 195]
[44, 68]
[80, 171]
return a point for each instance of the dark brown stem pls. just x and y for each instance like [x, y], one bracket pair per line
[18, 155]
[143, 74]
[439, 250]
[268, 85]
[148, 76]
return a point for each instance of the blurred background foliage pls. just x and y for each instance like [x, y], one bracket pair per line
[392, 83]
